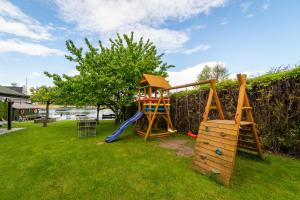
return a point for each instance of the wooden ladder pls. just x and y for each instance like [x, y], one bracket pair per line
[248, 137]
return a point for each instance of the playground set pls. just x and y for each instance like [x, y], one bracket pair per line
[217, 140]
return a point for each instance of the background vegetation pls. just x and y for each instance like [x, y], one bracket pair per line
[275, 98]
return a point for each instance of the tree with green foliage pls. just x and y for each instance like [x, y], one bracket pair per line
[205, 73]
[47, 95]
[110, 75]
[217, 72]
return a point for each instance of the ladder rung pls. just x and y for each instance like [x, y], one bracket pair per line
[247, 108]
[246, 123]
[213, 107]
[248, 148]
[246, 136]
[246, 143]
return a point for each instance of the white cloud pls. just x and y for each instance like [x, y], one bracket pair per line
[189, 74]
[250, 15]
[201, 47]
[245, 6]
[14, 21]
[265, 6]
[27, 48]
[145, 17]
[224, 22]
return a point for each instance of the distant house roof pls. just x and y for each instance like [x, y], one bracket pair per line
[6, 92]
[15, 88]
[155, 81]
[24, 105]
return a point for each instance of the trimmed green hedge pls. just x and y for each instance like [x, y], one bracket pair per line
[263, 80]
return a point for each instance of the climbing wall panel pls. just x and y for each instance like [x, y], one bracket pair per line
[215, 149]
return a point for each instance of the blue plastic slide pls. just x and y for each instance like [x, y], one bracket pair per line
[129, 121]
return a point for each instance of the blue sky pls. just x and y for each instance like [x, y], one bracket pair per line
[246, 36]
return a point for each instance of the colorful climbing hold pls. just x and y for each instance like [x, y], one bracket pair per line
[219, 151]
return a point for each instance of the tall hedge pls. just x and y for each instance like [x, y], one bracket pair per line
[275, 99]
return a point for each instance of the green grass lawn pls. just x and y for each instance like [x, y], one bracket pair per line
[52, 163]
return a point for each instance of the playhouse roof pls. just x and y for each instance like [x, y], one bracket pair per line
[155, 81]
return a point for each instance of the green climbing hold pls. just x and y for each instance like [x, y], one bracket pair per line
[206, 128]
[219, 151]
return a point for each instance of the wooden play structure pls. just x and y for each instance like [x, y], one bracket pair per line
[218, 140]
[154, 101]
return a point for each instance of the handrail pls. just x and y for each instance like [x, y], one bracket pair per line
[191, 84]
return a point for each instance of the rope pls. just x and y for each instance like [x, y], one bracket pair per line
[200, 92]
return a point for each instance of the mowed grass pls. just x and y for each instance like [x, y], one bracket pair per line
[52, 163]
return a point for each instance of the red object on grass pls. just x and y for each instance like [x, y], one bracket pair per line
[191, 134]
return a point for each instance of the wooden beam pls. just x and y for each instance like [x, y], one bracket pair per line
[216, 98]
[208, 103]
[189, 85]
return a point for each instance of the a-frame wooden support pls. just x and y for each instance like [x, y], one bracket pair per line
[212, 96]
[218, 140]
[244, 105]
[152, 115]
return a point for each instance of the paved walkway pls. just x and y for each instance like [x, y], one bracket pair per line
[5, 131]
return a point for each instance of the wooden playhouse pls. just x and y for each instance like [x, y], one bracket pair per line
[154, 101]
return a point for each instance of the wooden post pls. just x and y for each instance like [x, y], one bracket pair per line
[217, 100]
[208, 103]
[139, 99]
[239, 108]
[152, 120]
[9, 115]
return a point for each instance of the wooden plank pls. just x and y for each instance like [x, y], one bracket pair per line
[216, 98]
[211, 167]
[219, 134]
[247, 143]
[248, 107]
[245, 136]
[190, 84]
[210, 150]
[227, 132]
[206, 158]
[208, 103]
[212, 123]
[207, 170]
[220, 140]
[216, 144]
[154, 104]
[241, 98]
[246, 123]
[248, 148]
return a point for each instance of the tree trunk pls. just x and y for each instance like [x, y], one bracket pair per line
[47, 114]
[118, 117]
[98, 109]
